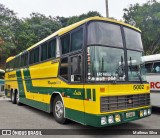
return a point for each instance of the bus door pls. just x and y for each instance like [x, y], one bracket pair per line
[75, 90]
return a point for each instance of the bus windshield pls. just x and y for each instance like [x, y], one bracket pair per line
[106, 58]
[133, 39]
[105, 63]
[103, 33]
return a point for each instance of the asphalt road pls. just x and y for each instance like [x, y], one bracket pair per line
[25, 117]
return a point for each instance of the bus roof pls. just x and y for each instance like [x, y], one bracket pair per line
[10, 58]
[73, 26]
[151, 58]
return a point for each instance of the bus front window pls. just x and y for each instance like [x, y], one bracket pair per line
[135, 66]
[105, 64]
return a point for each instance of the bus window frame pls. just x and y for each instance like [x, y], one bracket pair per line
[81, 71]
[29, 55]
[153, 62]
[41, 45]
[153, 66]
[26, 52]
[73, 53]
[52, 58]
[123, 47]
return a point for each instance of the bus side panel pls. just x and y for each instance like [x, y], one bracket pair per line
[10, 82]
[154, 80]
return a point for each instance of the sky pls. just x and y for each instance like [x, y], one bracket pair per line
[67, 8]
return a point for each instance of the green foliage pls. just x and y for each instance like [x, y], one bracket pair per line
[68, 21]
[8, 24]
[17, 35]
[147, 18]
[34, 29]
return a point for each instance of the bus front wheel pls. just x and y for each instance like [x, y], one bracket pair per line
[58, 110]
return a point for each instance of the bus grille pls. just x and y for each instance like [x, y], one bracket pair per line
[112, 103]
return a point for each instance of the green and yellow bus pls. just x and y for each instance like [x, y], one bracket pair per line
[88, 72]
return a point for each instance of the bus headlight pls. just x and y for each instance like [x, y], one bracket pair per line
[149, 111]
[117, 118]
[103, 120]
[145, 112]
[141, 113]
[110, 119]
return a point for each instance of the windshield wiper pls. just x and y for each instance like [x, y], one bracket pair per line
[120, 70]
[130, 64]
[140, 77]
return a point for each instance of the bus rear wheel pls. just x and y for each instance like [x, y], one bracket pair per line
[13, 98]
[17, 98]
[58, 110]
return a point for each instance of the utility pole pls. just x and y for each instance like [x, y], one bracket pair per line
[107, 11]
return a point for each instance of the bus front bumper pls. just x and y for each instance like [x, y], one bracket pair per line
[116, 118]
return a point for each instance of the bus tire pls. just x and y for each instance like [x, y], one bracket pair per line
[13, 98]
[11, 95]
[58, 110]
[17, 98]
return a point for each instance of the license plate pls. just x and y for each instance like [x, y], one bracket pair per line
[130, 114]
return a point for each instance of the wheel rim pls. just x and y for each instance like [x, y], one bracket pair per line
[59, 109]
[17, 97]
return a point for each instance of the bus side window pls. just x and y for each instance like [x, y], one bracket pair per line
[77, 40]
[76, 68]
[156, 67]
[34, 56]
[148, 67]
[65, 43]
[52, 49]
[24, 60]
[44, 51]
[64, 68]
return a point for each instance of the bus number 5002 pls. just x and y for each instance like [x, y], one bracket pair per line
[137, 87]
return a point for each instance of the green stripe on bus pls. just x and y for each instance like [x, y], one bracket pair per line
[20, 83]
[94, 95]
[88, 93]
[39, 105]
[76, 93]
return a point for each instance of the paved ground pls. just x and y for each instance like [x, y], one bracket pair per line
[25, 117]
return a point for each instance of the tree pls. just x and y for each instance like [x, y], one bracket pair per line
[8, 22]
[17, 35]
[147, 18]
[34, 29]
[70, 20]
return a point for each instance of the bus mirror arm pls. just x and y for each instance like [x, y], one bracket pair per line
[139, 76]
